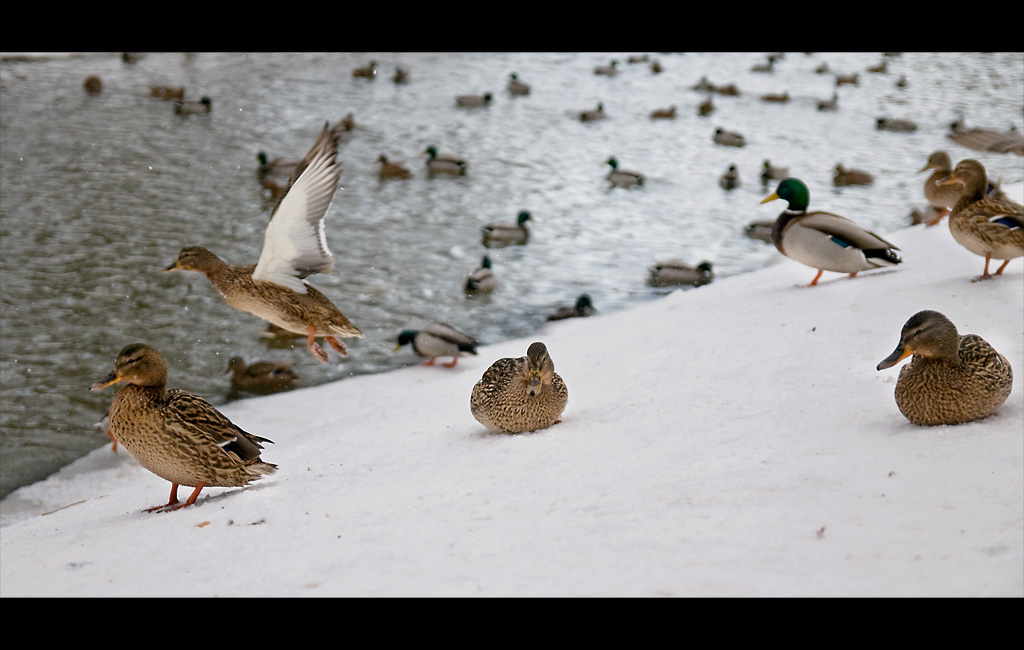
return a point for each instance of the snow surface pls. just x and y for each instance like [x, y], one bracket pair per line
[730, 440]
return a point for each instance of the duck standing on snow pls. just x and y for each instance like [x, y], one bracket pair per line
[438, 340]
[520, 394]
[825, 241]
[178, 436]
[952, 378]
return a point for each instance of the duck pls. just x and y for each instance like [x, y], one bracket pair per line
[473, 101]
[848, 79]
[167, 93]
[985, 139]
[262, 377]
[345, 124]
[609, 70]
[369, 71]
[707, 107]
[902, 82]
[401, 75]
[728, 89]
[438, 340]
[93, 85]
[482, 280]
[445, 163]
[822, 68]
[730, 179]
[895, 124]
[943, 197]
[842, 177]
[294, 247]
[672, 273]
[656, 67]
[390, 169]
[952, 378]
[176, 435]
[778, 98]
[829, 104]
[760, 229]
[593, 115]
[879, 67]
[583, 308]
[825, 241]
[622, 177]
[729, 138]
[766, 66]
[516, 395]
[990, 227]
[276, 166]
[664, 113]
[772, 173]
[193, 107]
[517, 87]
[496, 235]
[704, 86]
[638, 58]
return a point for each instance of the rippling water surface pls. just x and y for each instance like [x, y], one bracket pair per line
[99, 192]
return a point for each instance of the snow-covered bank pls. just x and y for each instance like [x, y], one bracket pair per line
[731, 440]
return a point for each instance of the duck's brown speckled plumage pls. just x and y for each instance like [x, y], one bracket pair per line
[178, 436]
[520, 394]
[294, 248]
[952, 378]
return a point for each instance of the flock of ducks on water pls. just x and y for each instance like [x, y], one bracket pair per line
[183, 439]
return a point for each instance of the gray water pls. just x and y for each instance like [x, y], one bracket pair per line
[99, 192]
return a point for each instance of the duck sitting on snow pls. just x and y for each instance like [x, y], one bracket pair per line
[521, 394]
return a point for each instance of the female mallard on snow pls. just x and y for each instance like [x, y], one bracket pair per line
[294, 247]
[444, 163]
[481, 280]
[673, 273]
[496, 235]
[851, 79]
[593, 115]
[729, 138]
[943, 197]
[167, 93]
[193, 107]
[825, 241]
[178, 436]
[622, 177]
[664, 113]
[438, 340]
[952, 378]
[517, 87]
[777, 98]
[261, 377]
[842, 177]
[473, 101]
[583, 308]
[520, 394]
[990, 227]
[390, 169]
[730, 179]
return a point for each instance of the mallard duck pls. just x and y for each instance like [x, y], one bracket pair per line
[401, 75]
[766, 66]
[473, 101]
[952, 378]
[730, 179]
[638, 58]
[193, 107]
[368, 71]
[825, 241]
[593, 115]
[167, 93]
[496, 235]
[706, 108]
[178, 436]
[438, 340]
[943, 197]
[671, 273]
[517, 87]
[656, 67]
[520, 394]
[982, 139]
[622, 177]
[829, 104]
[704, 86]
[841, 177]
[345, 124]
[481, 280]
[822, 68]
[445, 163]
[895, 124]
[770, 173]
[93, 85]
[262, 377]
[729, 138]
[609, 70]
[990, 227]
[390, 169]
[276, 166]
[664, 113]
[294, 247]
[583, 308]
[760, 229]
[272, 190]
[778, 98]
[848, 79]
[901, 82]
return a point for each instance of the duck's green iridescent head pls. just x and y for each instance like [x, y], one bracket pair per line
[523, 217]
[407, 336]
[793, 191]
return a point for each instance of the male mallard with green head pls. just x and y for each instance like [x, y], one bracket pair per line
[496, 235]
[520, 394]
[481, 280]
[445, 163]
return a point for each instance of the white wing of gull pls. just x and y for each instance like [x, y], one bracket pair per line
[295, 243]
